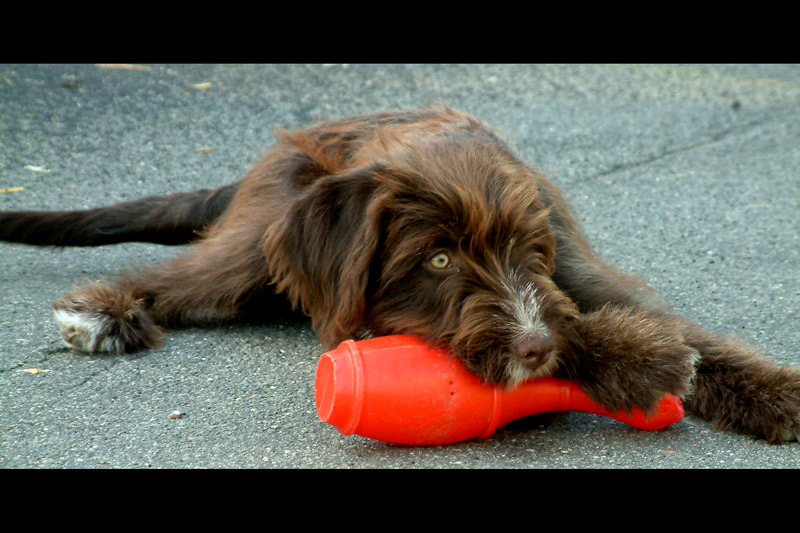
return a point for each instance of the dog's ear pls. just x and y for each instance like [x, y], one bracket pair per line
[321, 251]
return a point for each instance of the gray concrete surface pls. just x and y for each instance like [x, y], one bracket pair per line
[687, 174]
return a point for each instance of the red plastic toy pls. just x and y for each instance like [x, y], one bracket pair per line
[395, 389]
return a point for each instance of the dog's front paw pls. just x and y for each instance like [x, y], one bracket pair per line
[630, 359]
[737, 388]
[763, 401]
[97, 320]
[774, 415]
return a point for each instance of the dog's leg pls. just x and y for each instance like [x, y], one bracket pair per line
[625, 358]
[738, 389]
[125, 314]
[735, 387]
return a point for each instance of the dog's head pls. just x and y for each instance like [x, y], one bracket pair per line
[449, 241]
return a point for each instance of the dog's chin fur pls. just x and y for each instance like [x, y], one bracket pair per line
[343, 219]
[517, 372]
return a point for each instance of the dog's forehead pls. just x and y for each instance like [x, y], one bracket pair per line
[457, 185]
[464, 207]
[474, 188]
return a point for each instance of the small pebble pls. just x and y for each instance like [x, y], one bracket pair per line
[176, 414]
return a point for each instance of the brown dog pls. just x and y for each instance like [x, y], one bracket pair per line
[418, 222]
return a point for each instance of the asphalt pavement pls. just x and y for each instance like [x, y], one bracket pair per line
[686, 174]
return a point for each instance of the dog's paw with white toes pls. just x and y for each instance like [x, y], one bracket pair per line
[94, 323]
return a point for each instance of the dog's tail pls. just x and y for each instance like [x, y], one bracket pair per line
[172, 219]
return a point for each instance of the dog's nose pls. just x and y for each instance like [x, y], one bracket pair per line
[534, 350]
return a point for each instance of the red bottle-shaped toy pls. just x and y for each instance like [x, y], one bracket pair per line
[396, 389]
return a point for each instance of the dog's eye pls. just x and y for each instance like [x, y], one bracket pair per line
[440, 261]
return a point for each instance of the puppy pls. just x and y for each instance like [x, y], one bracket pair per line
[419, 222]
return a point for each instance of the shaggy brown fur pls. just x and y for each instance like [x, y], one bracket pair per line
[419, 222]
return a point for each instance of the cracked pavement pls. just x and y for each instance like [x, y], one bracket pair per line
[686, 174]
